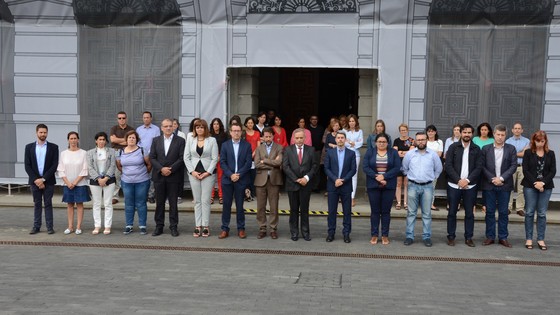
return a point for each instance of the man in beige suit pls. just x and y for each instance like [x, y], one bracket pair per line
[269, 179]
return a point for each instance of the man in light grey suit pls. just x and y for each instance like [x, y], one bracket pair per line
[166, 155]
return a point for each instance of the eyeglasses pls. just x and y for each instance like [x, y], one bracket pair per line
[120, 118]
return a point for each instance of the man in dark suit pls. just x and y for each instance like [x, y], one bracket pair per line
[235, 160]
[340, 166]
[499, 162]
[268, 161]
[166, 155]
[299, 165]
[462, 165]
[41, 161]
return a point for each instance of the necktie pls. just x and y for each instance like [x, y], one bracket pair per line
[299, 155]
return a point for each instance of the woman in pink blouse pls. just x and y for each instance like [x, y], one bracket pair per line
[73, 170]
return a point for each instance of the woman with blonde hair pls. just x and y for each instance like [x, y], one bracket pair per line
[402, 144]
[354, 141]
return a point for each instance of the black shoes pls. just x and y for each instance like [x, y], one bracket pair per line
[50, 231]
[347, 238]
[174, 232]
[408, 241]
[307, 237]
[330, 238]
[158, 231]
[34, 231]
[428, 242]
[295, 238]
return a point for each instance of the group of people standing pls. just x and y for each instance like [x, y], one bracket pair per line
[255, 159]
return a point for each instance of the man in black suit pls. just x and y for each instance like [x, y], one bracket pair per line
[299, 166]
[235, 159]
[166, 155]
[41, 161]
[499, 162]
[340, 166]
[462, 165]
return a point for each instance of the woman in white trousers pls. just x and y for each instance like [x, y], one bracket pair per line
[201, 157]
[354, 141]
[101, 167]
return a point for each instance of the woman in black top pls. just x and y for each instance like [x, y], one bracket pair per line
[539, 169]
[217, 131]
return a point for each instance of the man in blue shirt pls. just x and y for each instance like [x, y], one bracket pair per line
[422, 166]
[147, 132]
[521, 144]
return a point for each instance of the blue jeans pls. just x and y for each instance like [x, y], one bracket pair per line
[380, 202]
[135, 197]
[497, 198]
[535, 200]
[419, 195]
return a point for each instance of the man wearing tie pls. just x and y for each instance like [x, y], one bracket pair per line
[340, 166]
[268, 161]
[299, 165]
[41, 161]
[235, 160]
[166, 155]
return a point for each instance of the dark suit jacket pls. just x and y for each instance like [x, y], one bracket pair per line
[244, 161]
[454, 162]
[530, 169]
[173, 159]
[293, 170]
[348, 169]
[51, 163]
[393, 168]
[272, 163]
[509, 166]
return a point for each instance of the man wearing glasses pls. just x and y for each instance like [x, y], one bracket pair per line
[422, 166]
[118, 142]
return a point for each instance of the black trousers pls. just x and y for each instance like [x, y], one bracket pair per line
[170, 191]
[299, 207]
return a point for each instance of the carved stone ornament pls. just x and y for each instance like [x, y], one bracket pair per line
[302, 6]
[126, 12]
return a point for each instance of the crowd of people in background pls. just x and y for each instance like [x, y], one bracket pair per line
[254, 159]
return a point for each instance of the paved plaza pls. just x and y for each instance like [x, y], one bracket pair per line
[126, 274]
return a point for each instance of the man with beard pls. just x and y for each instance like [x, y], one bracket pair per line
[422, 166]
[462, 165]
[41, 161]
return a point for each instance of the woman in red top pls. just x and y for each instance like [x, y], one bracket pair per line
[279, 132]
[254, 138]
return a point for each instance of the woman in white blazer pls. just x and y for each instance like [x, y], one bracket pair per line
[201, 157]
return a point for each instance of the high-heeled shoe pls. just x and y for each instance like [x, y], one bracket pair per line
[205, 231]
[542, 246]
[95, 231]
[107, 231]
[196, 232]
[529, 245]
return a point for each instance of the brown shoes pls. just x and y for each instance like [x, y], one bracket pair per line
[505, 243]
[469, 243]
[451, 242]
[521, 213]
[115, 200]
[261, 234]
[223, 235]
[273, 235]
[488, 242]
[242, 234]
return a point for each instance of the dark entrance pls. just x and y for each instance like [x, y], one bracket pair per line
[302, 92]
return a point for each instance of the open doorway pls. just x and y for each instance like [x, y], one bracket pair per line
[302, 92]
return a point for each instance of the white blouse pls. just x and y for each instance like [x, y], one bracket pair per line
[73, 164]
[357, 137]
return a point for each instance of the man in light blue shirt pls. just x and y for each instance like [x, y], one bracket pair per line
[147, 132]
[422, 166]
[521, 144]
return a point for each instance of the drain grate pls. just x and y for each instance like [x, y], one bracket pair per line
[317, 279]
[290, 253]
